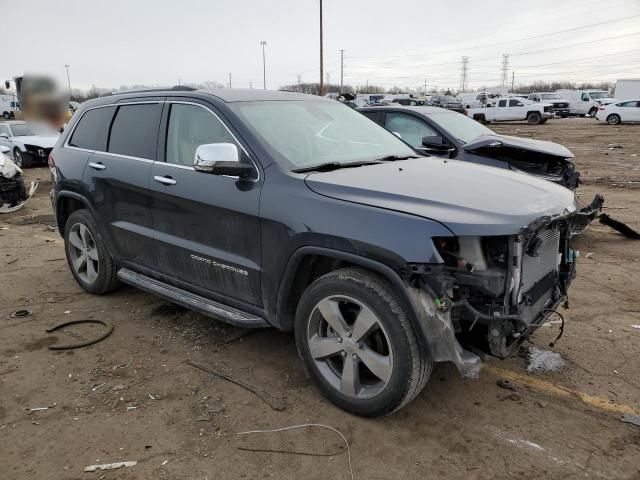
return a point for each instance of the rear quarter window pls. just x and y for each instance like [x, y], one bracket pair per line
[134, 131]
[93, 129]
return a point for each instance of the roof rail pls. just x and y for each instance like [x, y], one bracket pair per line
[175, 88]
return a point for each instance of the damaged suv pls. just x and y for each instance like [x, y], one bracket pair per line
[278, 209]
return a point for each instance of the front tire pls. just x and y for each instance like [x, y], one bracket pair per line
[19, 159]
[534, 118]
[89, 260]
[358, 343]
[614, 119]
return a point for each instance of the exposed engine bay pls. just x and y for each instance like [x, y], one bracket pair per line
[496, 291]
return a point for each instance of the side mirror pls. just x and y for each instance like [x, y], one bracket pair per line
[4, 149]
[220, 159]
[435, 142]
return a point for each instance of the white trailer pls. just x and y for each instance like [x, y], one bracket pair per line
[586, 102]
[8, 105]
[627, 89]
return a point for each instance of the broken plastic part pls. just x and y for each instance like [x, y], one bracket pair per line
[439, 335]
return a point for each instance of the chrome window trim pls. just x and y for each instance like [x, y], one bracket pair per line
[185, 167]
[119, 155]
[180, 102]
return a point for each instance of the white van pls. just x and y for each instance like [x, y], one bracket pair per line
[8, 105]
[627, 89]
[586, 102]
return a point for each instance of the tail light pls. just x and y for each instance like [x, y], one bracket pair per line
[51, 161]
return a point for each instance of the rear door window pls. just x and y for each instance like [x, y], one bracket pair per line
[134, 132]
[502, 103]
[93, 129]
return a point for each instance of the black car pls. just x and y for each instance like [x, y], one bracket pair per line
[278, 209]
[443, 133]
[446, 101]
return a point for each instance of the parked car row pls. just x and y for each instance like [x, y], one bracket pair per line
[30, 143]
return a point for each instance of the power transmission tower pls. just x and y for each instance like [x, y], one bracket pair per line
[341, 70]
[229, 79]
[299, 79]
[425, 86]
[464, 85]
[505, 69]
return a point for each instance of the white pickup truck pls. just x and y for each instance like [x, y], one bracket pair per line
[505, 109]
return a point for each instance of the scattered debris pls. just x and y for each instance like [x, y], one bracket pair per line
[632, 419]
[623, 228]
[99, 386]
[110, 466]
[614, 145]
[305, 425]
[514, 397]
[21, 313]
[541, 361]
[589, 255]
[108, 331]
[164, 463]
[506, 384]
[541, 404]
[635, 326]
[274, 402]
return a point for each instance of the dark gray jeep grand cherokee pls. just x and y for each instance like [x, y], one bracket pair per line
[265, 208]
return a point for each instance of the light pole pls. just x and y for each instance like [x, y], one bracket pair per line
[321, 55]
[341, 70]
[66, 65]
[264, 66]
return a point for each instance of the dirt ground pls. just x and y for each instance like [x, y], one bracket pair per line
[132, 397]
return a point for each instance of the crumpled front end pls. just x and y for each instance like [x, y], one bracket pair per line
[492, 292]
[13, 192]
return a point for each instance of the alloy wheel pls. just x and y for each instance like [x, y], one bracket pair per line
[83, 252]
[17, 158]
[350, 346]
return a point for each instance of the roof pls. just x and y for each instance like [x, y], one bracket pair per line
[13, 122]
[228, 95]
[418, 109]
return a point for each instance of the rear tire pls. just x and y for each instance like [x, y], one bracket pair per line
[534, 118]
[6, 115]
[358, 344]
[90, 262]
[614, 119]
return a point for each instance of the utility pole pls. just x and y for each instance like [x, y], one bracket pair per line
[321, 54]
[341, 70]
[513, 78]
[505, 68]
[463, 75]
[229, 79]
[68, 78]
[250, 84]
[425, 86]
[299, 79]
[264, 66]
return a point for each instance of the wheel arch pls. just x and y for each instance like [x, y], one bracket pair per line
[308, 263]
[68, 202]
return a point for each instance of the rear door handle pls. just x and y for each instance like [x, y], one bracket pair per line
[97, 166]
[166, 180]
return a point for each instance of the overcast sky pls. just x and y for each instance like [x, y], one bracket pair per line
[403, 42]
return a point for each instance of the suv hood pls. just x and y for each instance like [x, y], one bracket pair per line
[539, 146]
[467, 198]
[38, 141]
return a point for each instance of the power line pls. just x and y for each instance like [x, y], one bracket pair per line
[543, 35]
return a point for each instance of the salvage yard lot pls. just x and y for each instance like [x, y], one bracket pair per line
[132, 397]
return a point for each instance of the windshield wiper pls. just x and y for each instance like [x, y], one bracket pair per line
[393, 158]
[330, 166]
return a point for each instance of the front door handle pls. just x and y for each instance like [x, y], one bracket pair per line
[97, 166]
[166, 180]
